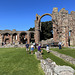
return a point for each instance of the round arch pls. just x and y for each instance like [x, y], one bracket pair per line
[23, 37]
[38, 26]
[41, 17]
[45, 15]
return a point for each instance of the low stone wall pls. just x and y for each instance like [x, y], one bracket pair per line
[46, 41]
[38, 55]
[71, 47]
[51, 68]
[12, 46]
[64, 57]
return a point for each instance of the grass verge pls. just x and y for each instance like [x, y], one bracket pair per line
[58, 60]
[66, 51]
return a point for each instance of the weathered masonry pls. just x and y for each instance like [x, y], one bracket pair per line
[63, 30]
[16, 37]
[63, 26]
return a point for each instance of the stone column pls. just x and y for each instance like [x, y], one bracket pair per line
[18, 37]
[28, 38]
[11, 40]
[0, 39]
[55, 24]
[37, 32]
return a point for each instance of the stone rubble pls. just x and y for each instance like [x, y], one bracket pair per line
[51, 68]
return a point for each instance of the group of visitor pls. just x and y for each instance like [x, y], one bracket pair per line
[32, 47]
[38, 46]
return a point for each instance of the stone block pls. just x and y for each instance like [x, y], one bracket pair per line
[63, 70]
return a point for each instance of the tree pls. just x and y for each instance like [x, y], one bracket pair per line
[32, 29]
[46, 30]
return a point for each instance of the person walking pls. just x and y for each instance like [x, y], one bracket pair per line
[59, 44]
[27, 47]
[39, 49]
[34, 45]
[32, 49]
[47, 48]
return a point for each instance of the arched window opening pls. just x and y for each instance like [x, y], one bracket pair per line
[46, 27]
[32, 38]
[23, 38]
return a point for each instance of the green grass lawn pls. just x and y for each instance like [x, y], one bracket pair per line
[58, 60]
[66, 51]
[72, 46]
[15, 61]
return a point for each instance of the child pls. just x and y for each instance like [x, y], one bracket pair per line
[32, 49]
[47, 48]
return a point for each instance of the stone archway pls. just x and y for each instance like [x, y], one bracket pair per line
[7, 41]
[6, 38]
[62, 22]
[23, 37]
[38, 27]
[39, 21]
[32, 40]
[42, 37]
[14, 38]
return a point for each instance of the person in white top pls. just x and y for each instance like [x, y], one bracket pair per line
[32, 49]
[59, 44]
[47, 48]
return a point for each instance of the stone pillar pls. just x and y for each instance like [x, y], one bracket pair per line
[11, 40]
[0, 39]
[37, 32]
[37, 36]
[18, 37]
[55, 24]
[28, 38]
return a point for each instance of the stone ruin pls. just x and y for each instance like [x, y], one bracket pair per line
[63, 24]
[8, 37]
[51, 68]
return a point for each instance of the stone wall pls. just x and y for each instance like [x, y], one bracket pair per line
[51, 68]
[63, 23]
[48, 41]
[11, 37]
[64, 57]
[12, 46]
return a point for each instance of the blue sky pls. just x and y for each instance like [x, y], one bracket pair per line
[20, 14]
